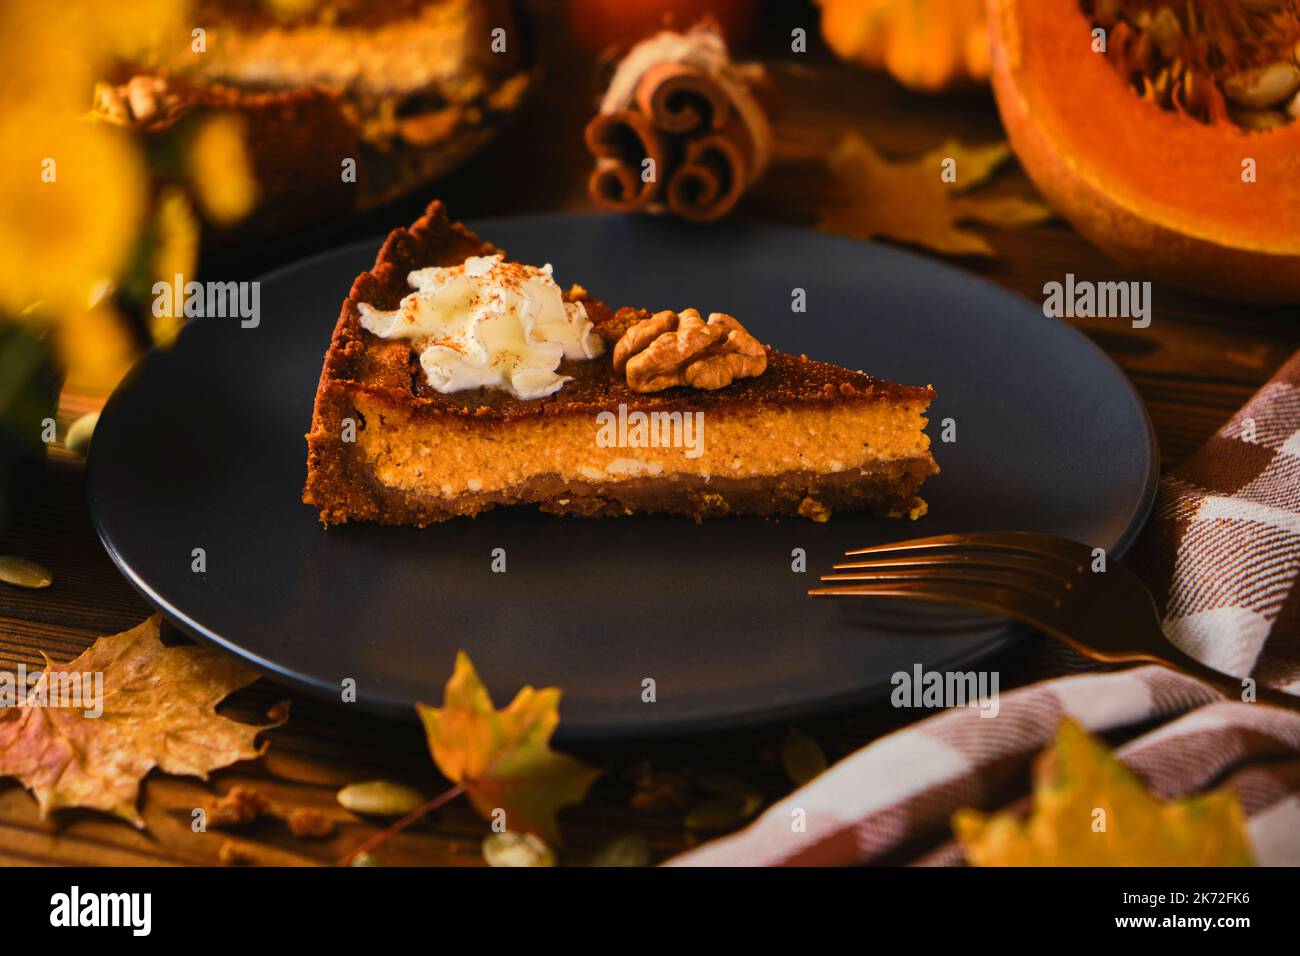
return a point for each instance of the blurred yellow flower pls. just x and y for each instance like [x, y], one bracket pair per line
[70, 206]
[221, 170]
[95, 347]
[131, 28]
[41, 71]
[75, 194]
[53, 52]
[175, 252]
[69, 203]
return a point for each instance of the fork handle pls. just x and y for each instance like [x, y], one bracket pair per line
[1229, 685]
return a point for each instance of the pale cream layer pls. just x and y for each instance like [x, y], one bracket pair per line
[451, 456]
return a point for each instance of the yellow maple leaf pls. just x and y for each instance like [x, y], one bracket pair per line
[921, 201]
[1090, 810]
[502, 757]
[157, 709]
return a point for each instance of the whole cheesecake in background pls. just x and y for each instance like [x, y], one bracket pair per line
[407, 88]
[457, 381]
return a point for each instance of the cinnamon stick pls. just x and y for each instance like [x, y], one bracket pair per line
[680, 99]
[711, 178]
[622, 141]
[677, 99]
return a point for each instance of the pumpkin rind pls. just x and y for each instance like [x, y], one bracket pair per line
[1150, 187]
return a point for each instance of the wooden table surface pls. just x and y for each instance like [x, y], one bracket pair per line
[1196, 364]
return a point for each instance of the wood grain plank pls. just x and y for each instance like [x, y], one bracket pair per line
[1194, 366]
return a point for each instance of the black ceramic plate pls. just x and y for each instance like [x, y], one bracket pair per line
[202, 447]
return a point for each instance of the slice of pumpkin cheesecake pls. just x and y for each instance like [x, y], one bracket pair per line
[458, 380]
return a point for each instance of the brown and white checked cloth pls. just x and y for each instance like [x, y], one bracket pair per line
[1222, 551]
[1223, 555]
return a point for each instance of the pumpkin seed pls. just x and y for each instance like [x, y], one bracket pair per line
[1293, 108]
[801, 756]
[380, 798]
[1176, 65]
[1160, 87]
[1105, 13]
[729, 785]
[1262, 120]
[1166, 32]
[1263, 86]
[1192, 93]
[516, 849]
[77, 439]
[716, 813]
[23, 573]
[733, 801]
[630, 850]
[364, 859]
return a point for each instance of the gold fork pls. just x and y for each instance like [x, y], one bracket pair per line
[1043, 580]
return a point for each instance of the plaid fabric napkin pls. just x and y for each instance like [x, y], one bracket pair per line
[1223, 553]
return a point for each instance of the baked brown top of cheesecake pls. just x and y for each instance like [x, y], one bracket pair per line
[388, 370]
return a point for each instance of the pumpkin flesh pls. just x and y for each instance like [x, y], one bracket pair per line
[1152, 187]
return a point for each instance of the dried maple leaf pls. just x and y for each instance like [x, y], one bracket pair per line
[1090, 810]
[159, 710]
[502, 757]
[910, 201]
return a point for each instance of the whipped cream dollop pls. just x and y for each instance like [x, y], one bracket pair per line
[488, 323]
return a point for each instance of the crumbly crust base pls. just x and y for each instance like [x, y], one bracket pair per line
[888, 488]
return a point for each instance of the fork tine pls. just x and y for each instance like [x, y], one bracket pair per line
[1023, 564]
[1003, 602]
[1015, 538]
[1018, 542]
[940, 577]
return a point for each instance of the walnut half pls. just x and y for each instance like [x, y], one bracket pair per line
[670, 349]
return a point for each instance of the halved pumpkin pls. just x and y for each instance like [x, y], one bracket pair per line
[1154, 188]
